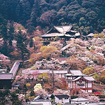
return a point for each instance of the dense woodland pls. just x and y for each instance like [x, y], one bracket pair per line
[21, 23]
[86, 15]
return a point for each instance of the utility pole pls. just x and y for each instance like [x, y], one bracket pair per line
[53, 84]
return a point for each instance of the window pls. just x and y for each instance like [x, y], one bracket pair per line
[80, 84]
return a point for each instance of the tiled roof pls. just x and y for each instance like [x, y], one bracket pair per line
[59, 71]
[63, 29]
[52, 35]
[4, 76]
[76, 73]
[76, 79]
[58, 28]
[31, 71]
[89, 78]
[62, 96]
[79, 99]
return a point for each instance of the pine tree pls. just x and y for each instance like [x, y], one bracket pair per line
[21, 38]
[3, 33]
[31, 43]
[11, 33]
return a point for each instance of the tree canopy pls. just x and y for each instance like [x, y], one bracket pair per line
[55, 12]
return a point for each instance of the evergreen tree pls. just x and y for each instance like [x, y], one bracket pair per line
[21, 45]
[11, 33]
[14, 99]
[35, 12]
[31, 43]
[3, 33]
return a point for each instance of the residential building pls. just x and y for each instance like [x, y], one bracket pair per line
[40, 100]
[80, 100]
[62, 99]
[76, 79]
[6, 80]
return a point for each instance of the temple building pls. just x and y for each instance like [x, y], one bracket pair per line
[77, 80]
[6, 80]
[63, 32]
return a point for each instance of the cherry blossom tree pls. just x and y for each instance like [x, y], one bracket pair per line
[35, 74]
[92, 99]
[61, 92]
[41, 92]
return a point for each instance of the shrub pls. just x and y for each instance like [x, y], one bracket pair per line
[88, 70]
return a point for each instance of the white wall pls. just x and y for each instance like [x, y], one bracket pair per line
[62, 100]
[90, 91]
[82, 102]
[43, 103]
[65, 100]
[89, 84]
[57, 100]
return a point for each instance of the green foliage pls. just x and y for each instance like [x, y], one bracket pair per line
[88, 70]
[21, 45]
[24, 89]
[59, 104]
[17, 90]
[100, 35]
[55, 12]
[49, 51]
[102, 77]
[101, 96]
[31, 43]
[17, 102]
[32, 93]
[43, 76]
[3, 95]
[14, 99]
[6, 97]
[95, 76]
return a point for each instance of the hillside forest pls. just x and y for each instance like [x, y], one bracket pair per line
[86, 15]
[23, 21]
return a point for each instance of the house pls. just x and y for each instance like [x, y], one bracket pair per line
[59, 73]
[63, 32]
[80, 100]
[3, 70]
[71, 104]
[100, 103]
[16, 86]
[40, 100]
[62, 99]
[6, 80]
[76, 79]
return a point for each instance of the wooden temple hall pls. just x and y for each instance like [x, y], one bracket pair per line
[63, 32]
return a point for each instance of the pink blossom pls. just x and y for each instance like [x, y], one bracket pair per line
[18, 77]
[35, 74]
[60, 92]
[41, 92]
[94, 99]
[98, 49]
